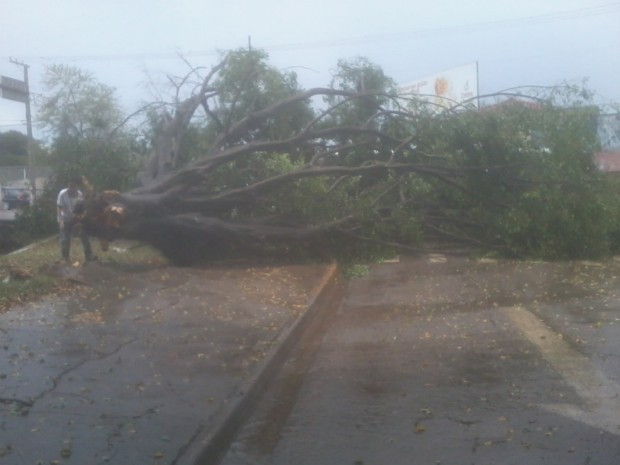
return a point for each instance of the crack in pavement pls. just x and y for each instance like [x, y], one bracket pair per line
[23, 407]
[117, 430]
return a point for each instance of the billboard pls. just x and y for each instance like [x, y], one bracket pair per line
[446, 89]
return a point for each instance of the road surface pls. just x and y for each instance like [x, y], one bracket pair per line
[445, 360]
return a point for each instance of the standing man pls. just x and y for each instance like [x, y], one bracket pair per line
[67, 200]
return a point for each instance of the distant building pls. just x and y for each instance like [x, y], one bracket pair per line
[608, 130]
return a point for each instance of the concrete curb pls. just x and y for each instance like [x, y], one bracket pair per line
[210, 448]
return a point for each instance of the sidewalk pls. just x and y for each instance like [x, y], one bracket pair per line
[144, 366]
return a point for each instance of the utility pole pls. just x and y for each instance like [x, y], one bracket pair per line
[14, 89]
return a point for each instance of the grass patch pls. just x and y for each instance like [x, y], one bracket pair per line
[27, 274]
[16, 292]
[355, 270]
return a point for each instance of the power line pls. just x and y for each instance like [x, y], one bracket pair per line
[462, 28]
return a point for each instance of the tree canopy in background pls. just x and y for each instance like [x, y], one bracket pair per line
[84, 122]
[13, 148]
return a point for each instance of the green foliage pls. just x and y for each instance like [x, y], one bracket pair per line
[361, 76]
[526, 182]
[247, 84]
[106, 164]
[312, 201]
[83, 118]
[75, 104]
[37, 221]
[568, 212]
[13, 148]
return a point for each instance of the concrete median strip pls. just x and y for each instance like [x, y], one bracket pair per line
[601, 408]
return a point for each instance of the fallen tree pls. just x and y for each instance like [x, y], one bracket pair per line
[186, 214]
[368, 172]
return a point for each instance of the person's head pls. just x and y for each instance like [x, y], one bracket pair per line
[74, 184]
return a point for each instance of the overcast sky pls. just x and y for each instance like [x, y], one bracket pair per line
[128, 43]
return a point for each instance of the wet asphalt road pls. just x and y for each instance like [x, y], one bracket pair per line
[139, 366]
[450, 361]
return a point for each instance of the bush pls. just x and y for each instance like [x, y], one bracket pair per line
[36, 221]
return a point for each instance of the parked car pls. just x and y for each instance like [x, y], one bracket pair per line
[15, 197]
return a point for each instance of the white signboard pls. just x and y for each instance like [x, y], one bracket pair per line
[13, 89]
[447, 89]
[608, 129]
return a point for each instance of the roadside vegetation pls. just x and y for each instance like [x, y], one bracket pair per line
[35, 271]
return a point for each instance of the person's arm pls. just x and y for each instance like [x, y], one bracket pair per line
[59, 210]
[61, 223]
